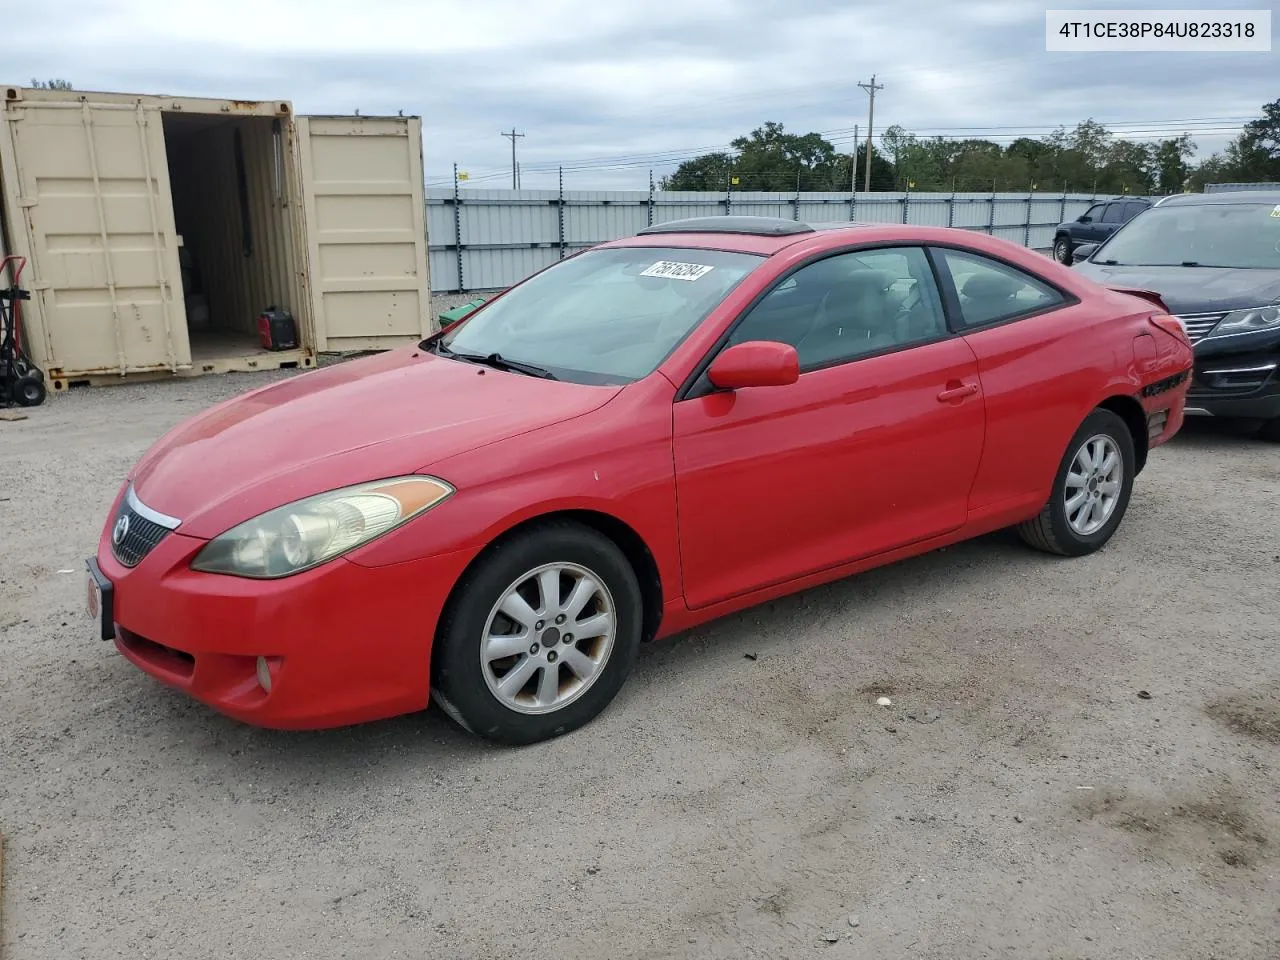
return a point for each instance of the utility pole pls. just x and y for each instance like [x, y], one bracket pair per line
[515, 173]
[853, 162]
[871, 88]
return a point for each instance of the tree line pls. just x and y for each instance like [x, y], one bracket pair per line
[1087, 159]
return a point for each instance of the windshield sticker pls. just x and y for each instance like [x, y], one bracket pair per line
[1275, 211]
[674, 270]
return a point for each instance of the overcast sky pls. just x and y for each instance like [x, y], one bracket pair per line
[614, 88]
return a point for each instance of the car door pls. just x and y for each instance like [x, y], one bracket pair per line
[1112, 217]
[1035, 345]
[875, 446]
[1089, 231]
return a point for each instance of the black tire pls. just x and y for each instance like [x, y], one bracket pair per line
[1050, 530]
[30, 391]
[459, 684]
[1270, 430]
[1062, 248]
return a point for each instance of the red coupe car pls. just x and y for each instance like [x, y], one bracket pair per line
[647, 435]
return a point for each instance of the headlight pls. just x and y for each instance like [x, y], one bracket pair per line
[307, 533]
[1247, 321]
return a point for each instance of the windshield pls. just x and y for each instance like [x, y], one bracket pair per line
[605, 316]
[1245, 234]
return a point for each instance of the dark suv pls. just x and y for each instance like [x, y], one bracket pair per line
[1214, 259]
[1095, 225]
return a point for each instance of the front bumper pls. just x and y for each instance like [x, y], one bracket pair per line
[1245, 386]
[342, 643]
[1236, 375]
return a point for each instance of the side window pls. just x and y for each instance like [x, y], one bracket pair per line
[1114, 213]
[1094, 213]
[850, 305]
[1133, 208]
[991, 291]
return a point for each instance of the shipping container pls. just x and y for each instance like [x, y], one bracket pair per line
[159, 229]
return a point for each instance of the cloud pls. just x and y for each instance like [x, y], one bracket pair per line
[611, 90]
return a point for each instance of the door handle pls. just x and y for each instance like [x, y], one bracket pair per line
[958, 393]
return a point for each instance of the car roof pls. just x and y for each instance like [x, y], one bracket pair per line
[1261, 197]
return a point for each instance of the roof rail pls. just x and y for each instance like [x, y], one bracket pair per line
[756, 226]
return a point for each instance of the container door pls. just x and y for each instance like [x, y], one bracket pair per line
[366, 230]
[87, 187]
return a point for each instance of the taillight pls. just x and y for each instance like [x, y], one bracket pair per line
[1172, 326]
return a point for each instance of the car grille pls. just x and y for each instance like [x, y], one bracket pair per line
[1200, 325]
[135, 531]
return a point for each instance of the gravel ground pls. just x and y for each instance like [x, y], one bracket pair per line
[1080, 760]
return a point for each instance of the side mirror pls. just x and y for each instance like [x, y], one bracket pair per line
[1083, 252]
[756, 363]
[1084, 218]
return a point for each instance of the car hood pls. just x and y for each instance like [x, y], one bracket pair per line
[387, 415]
[1192, 289]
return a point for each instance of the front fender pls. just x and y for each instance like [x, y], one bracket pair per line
[616, 462]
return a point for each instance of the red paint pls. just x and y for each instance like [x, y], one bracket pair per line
[776, 483]
[739, 495]
[757, 364]
[381, 416]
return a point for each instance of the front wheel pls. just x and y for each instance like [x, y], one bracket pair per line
[1062, 250]
[1270, 430]
[540, 636]
[1090, 492]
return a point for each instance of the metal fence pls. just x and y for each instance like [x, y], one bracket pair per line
[1234, 187]
[491, 239]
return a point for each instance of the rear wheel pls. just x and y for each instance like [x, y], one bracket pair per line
[1062, 249]
[1090, 492]
[540, 636]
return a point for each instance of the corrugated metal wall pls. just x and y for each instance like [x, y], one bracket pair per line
[87, 204]
[490, 239]
[364, 208]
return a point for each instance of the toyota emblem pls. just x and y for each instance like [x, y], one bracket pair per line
[121, 530]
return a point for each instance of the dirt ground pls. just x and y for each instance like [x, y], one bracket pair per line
[1081, 759]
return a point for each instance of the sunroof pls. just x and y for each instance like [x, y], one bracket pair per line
[757, 226]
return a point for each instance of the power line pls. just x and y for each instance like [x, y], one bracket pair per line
[622, 163]
[998, 133]
[1159, 127]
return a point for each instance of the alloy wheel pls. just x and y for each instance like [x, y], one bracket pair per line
[1093, 486]
[548, 638]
